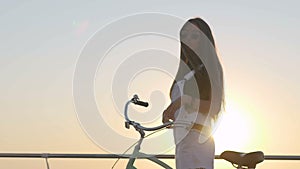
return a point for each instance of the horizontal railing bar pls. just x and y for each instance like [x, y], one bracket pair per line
[280, 157]
[162, 156]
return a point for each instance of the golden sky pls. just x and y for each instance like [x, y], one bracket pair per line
[41, 42]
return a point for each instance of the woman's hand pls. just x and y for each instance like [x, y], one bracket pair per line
[169, 113]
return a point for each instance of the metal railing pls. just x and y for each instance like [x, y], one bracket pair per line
[46, 156]
[163, 156]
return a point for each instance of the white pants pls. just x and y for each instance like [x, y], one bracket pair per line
[190, 154]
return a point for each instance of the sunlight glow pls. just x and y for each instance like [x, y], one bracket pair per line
[234, 131]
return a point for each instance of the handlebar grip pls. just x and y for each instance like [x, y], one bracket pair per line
[141, 103]
[135, 100]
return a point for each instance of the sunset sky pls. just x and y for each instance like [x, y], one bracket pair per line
[42, 42]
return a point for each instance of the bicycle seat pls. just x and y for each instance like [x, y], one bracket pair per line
[243, 159]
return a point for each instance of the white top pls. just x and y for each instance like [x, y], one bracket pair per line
[177, 92]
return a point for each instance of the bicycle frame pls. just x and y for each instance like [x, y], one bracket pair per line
[137, 154]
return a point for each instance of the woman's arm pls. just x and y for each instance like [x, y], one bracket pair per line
[169, 113]
[192, 105]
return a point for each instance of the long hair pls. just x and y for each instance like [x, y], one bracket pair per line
[209, 79]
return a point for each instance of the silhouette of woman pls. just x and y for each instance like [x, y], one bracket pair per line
[197, 96]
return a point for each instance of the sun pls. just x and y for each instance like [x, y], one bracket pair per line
[234, 131]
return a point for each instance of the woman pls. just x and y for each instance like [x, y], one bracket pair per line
[197, 97]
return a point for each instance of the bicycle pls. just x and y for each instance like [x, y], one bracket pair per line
[237, 159]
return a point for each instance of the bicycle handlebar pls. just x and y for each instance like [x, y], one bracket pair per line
[136, 125]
